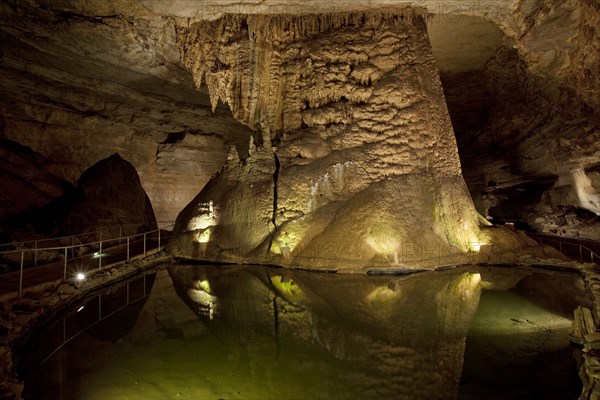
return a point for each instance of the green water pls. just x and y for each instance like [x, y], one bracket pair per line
[260, 333]
[518, 350]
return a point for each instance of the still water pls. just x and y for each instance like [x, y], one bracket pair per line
[232, 332]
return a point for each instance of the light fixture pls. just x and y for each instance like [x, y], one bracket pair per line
[80, 308]
[80, 277]
[204, 236]
[475, 246]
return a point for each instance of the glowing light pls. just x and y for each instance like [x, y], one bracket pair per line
[381, 294]
[203, 285]
[208, 216]
[286, 286]
[204, 236]
[383, 243]
[283, 285]
[96, 255]
[475, 246]
[208, 304]
[285, 243]
[80, 308]
[80, 276]
[476, 278]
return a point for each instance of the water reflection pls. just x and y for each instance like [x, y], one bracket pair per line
[255, 332]
[390, 337]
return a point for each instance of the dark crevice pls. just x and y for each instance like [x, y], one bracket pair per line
[274, 216]
[276, 321]
[275, 178]
[71, 16]
[275, 315]
[174, 137]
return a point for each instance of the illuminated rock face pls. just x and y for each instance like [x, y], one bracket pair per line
[357, 164]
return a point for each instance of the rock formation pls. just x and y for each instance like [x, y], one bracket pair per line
[109, 200]
[28, 186]
[83, 80]
[357, 163]
[112, 196]
[532, 120]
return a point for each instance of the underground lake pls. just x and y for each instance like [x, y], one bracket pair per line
[249, 332]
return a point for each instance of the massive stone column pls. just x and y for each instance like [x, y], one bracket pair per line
[354, 164]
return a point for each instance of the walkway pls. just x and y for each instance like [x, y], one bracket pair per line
[585, 251]
[68, 261]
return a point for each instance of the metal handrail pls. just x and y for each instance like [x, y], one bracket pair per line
[595, 257]
[101, 317]
[84, 244]
[105, 228]
[99, 243]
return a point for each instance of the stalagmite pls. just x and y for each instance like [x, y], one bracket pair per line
[366, 171]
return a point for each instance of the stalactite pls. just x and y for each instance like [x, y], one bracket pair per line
[219, 53]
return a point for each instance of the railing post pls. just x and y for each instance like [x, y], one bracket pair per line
[144, 244]
[21, 275]
[100, 256]
[127, 248]
[35, 254]
[65, 267]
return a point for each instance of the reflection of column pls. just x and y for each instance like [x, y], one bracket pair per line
[373, 337]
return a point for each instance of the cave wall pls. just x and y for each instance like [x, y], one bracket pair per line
[81, 81]
[527, 127]
[107, 201]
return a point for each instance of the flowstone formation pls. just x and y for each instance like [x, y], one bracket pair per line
[354, 164]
